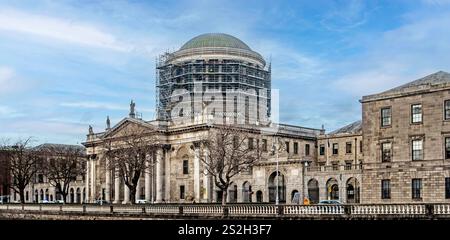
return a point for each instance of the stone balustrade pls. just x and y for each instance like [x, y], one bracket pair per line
[397, 209]
[241, 210]
[313, 209]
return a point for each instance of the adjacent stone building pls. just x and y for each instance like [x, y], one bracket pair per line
[406, 142]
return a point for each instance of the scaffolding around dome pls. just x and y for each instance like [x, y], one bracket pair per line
[219, 82]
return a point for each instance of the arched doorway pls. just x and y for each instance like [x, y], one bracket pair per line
[72, 196]
[42, 195]
[246, 192]
[36, 196]
[313, 191]
[332, 189]
[273, 180]
[78, 195]
[47, 196]
[232, 193]
[293, 198]
[352, 190]
[219, 194]
[259, 196]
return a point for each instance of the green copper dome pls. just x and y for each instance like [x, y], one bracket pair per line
[215, 40]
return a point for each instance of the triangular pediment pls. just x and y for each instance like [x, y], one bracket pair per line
[128, 126]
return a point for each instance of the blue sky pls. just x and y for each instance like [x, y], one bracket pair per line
[65, 65]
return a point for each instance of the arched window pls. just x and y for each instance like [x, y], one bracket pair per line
[313, 191]
[78, 195]
[332, 189]
[72, 196]
[246, 192]
[232, 192]
[277, 184]
[259, 196]
[352, 190]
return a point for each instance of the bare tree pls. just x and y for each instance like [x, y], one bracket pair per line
[127, 155]
[62, 165]
[227, 151]
[22, 164]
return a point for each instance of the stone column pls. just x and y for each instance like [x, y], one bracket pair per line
[116, 186]
[126, 195]
[138, 190]
[147, 178]
[167, 177]
[239, 194]
[196, 172]
[206, 182]
[92, 178]
[88, 174]
[159, 159]
[107, 181]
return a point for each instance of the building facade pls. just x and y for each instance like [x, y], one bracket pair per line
[398, 153]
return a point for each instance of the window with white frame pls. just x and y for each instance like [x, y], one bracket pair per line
[386, 115]
[417, 149]
[386, 152]
[416, 113]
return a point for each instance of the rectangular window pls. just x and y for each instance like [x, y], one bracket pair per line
[185, 166]
[447, 110]
[416, 188]
[386, 152]
[385, 189]
[447, 187]
[417, 149]
[335, 148]
[386, 115]
[335, 166]
[307, 150]
[264, 145]
[250, 143]
[348, 166]
[182, 192]
[40, 178]
[348, 147]
[416, 113]
[295, 148]
[322, 150]
[447, 148]
[360, 147]
[287, 146]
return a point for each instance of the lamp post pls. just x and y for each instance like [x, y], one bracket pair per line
[305, 164]
[275, 149]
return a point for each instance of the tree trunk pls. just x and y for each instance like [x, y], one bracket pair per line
[64, 195]
[22, 195]
[133, 195]
[224, 197]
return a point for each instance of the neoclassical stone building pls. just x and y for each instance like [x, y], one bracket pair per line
[398, 153]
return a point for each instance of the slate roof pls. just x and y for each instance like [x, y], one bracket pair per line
[58, 146]
[352, 128]
[438, 79]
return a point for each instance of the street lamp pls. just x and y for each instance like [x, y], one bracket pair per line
[274, 148]
[305, 164]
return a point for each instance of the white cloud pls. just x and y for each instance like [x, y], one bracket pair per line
[8, 112]
[94, 105]
[59, 29]
[413, 50]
